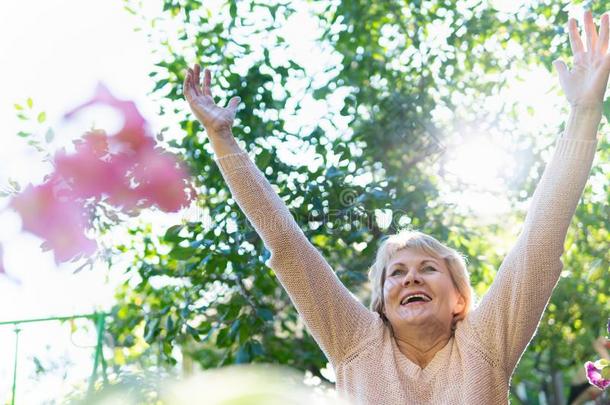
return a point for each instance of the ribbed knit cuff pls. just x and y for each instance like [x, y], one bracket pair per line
[233, 161]
[580, 137]
[574, 148]
[583, 123]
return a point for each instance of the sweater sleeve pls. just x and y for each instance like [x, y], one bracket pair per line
[508, 315]
[334, 317]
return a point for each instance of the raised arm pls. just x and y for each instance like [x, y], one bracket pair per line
[509, 314]
[335, 318]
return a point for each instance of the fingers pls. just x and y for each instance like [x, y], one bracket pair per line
[591, 31]
[233, 104]
[602, 45]
[207, 82]
[575, 41]
[192, 87]
[197, 80]
[189, 89]
[192, 82]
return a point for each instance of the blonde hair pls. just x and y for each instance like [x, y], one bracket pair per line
[408, 238]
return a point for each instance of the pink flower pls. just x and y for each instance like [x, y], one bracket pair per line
[61, 221]
[124, 169]
[93, 143]
[134, 134]
[598, 373]
[161, 181]
[134, 174]
[86, 175]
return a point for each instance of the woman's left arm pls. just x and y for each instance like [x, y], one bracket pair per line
[509, 314]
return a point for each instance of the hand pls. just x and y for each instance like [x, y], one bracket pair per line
[217, 121]
[585, 85]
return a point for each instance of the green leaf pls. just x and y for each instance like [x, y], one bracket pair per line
[234, 329]
[23, 134]
[243, 354]
[41, 117]
[171, 235]
[193, 332]
[222, 338]
[30, 103]
[182, 253]
[18, 107]
[169, 324]
[160, 84]
[151, 329]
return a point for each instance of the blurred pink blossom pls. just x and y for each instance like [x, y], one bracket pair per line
[160, 180]
[93, 143]
[124, 169]
[134, 135]
[60, 221]
[134, 174]
[88, 175]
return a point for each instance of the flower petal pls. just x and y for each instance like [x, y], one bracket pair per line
[60, 221]
[161, 181]
[595, 377]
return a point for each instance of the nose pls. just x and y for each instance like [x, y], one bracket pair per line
[412, 277]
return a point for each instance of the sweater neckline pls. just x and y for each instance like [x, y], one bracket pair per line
[412, 369]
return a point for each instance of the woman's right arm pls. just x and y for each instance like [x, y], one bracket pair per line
[335, 318]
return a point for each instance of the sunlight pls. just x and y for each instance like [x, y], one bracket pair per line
[477, 179]
[480, 168]
[480, 163]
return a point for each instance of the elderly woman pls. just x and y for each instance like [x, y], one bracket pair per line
[422, 342]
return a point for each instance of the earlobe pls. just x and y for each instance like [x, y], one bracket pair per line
[461, 304]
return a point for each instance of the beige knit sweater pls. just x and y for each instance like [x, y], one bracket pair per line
[476, 365]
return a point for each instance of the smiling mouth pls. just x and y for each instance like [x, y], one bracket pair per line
[415, 300]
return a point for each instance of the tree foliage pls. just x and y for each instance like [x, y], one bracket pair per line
[408, 76]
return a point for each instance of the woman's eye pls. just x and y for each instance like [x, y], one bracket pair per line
[395, 272]
[430, 268]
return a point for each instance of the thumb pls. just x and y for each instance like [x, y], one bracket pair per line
[234, 103]
[561, 68]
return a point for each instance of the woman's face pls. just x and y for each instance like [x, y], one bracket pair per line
[410, 271]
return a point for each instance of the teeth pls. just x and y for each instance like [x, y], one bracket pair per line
[406, 299]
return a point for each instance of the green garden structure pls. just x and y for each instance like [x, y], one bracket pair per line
[99, 318]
